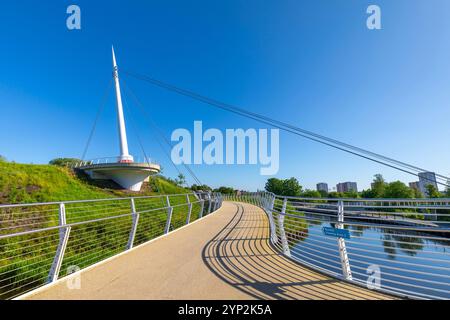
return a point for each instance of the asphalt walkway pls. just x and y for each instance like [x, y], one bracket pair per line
[226, 255]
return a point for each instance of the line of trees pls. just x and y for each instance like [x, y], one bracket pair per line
[379, 189]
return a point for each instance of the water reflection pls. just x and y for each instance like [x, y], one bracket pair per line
[410, 261]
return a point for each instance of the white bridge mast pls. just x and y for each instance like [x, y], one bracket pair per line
[124, 155]
[125, 172]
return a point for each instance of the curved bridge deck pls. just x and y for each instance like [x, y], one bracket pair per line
[226, 255]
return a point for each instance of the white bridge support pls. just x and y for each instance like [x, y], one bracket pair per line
[134, 224]
[64, 233]
[188, 201]
[123, 170]
[214, 204]
[124, 155]
[202, 207]
[273, 232]
[209, 203]
[169, 215]
[346, 271]
[284, 241]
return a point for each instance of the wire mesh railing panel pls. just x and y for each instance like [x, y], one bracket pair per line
[195, 212]
[25, 261]
[93, 242]
[400, 246]
[42, 242]
[96, 210]
[20, 219]
[151, 225]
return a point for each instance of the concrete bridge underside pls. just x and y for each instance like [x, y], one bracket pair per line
[226, 255]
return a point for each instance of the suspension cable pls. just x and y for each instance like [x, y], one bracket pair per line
[158, 130]
[368, 155]
[99, 112]
[154, 138]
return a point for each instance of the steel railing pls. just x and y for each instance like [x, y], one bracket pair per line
[398, 246]
[41, 242]
[109, 160]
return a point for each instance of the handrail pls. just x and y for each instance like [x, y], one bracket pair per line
[41, 242]
[110, 160]
[397, 200]
[86, 201]
[402, 248]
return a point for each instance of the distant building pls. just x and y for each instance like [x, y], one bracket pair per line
[347, 187]
[414, 185]
[322, 186]
[426, 178]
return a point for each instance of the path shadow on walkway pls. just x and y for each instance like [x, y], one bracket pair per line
[240, 255]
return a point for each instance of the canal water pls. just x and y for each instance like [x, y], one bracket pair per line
[411, 262]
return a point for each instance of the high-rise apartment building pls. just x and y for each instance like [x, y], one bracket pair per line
[322, 186]
[347, 187]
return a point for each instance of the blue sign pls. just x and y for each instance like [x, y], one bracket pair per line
[335, 232]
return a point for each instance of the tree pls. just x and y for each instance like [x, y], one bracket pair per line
[323, 193]
[378, 186]
[291, 187]
[417, 193]
[202, 187]
[398, 189]
[180, 180]
[274, 185]
[368, 194]
[284, 187]
[432, 191]
[63, 162]
[3, 159]
[225, 190]
[311, 194]
[377, 189]
[335, 195]
[351, 194]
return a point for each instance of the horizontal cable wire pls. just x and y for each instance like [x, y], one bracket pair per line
[418, 267]
[99, 228]
[360, 152]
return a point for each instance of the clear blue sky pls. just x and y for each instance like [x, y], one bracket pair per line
[310, 63]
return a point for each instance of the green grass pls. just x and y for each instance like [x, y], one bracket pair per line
[23, 183]
[25, 260]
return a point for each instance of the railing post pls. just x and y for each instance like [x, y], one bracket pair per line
[134, 224]
[202, 207]
[273, 232]
[188, 219]
[266, 201]
[346, 271]
[64, 233]
[209, 203]
[169, 215]
[217, 202]
[214, 202]
[263, 200]
[284, 241]
[218, 196]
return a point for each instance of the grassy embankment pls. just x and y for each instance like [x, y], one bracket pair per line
[25, 260]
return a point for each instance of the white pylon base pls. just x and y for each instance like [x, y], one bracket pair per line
[129, 176]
